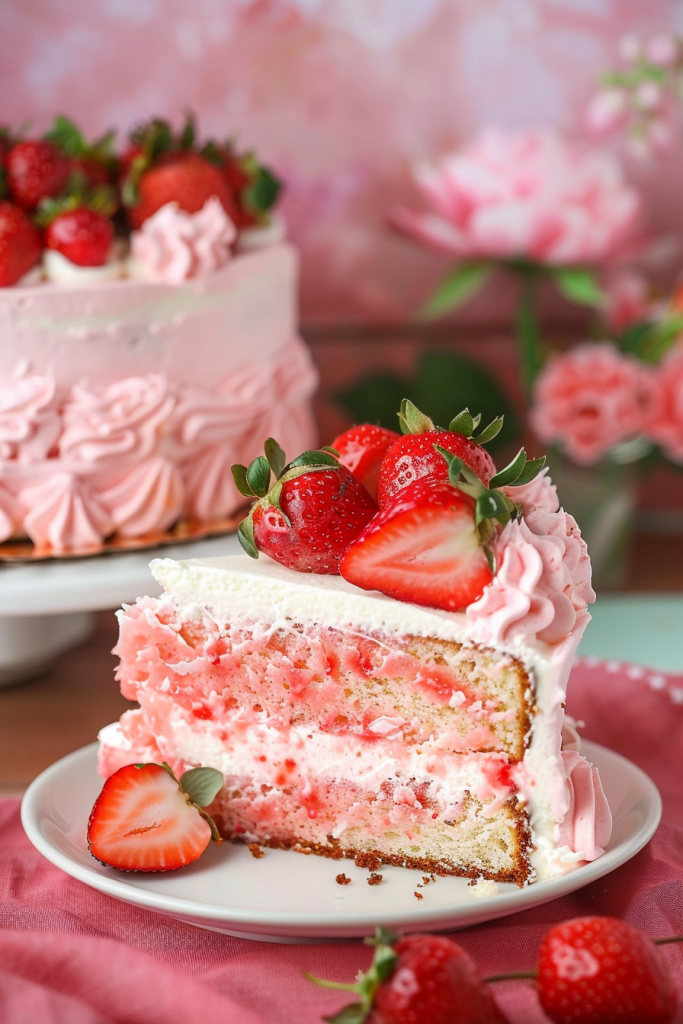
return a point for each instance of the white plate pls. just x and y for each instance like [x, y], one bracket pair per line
[286, 895]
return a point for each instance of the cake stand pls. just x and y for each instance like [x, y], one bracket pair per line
[47, 607]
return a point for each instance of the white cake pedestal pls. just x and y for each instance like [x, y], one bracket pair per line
[47, 607]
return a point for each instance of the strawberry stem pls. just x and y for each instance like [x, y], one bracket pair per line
[664, 942]
[519, 975]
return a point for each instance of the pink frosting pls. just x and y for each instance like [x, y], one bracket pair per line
[542, 584]
[148, 499]
[64, 515]
[211, 492]
[541, 492]
[29, 419]
[119, 421]
[587, 825]
[175, 246]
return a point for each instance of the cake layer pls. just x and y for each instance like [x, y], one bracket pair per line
[375, 685]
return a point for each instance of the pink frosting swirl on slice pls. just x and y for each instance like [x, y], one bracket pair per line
[542, 584]
[29, 419]
[64, 515]
[541, 492]
[587, 825]
[148, 499]
[123, 420]
[175, 246]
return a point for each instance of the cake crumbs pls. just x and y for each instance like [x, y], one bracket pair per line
[418, 895]
[256, 851]
[428, 878]
[375, 879]
[343, 879]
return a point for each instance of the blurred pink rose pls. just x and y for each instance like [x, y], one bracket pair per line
[590, 399]
[664, 423]
[529, 195]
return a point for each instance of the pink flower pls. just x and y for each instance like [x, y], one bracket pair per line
[529, 195]
[607, 111]
[663, 50]
[590, 399]
[627, 298]
[664, 424]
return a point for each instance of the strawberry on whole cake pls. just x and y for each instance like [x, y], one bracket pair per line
[384, 678]
[149, 328]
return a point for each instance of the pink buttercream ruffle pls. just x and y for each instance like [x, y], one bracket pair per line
[587, 825]
[542, 584]
[174, 246]
[29, 419]
[136, 456]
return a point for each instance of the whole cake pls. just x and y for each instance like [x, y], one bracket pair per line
[422, 725]
[149, 327]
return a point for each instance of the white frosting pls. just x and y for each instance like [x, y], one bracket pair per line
[240, 586]
[60, 270]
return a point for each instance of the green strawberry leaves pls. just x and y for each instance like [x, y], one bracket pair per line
[412, 421]
[382, 967]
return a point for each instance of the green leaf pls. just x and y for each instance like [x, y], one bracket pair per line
[463, 423]
[492, 505]
[314, 458]
[354, 1013]
[275, 455]
[239, 475]
[411, 420]
[189, 132]
[201, 785]
[258, 476]
[383, 936]
[384, 962]
[245, 535]
[488, 433]
[509, 475]
[262, 191]
[531, 470]
[459, 285]
[578, 284]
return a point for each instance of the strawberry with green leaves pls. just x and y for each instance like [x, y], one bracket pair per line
[78, 225]
[34, 169]
[431, 543]
[314, 509]
[145, 819]
[414, 456]
[361, 449]
[417, 979]
[253, 186]
[93, 163]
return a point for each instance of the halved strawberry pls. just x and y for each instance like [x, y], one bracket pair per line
[413, 456]
[422, 547]
[146, 820]
[310, 515]
[361, 449]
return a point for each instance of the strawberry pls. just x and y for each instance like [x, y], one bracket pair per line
[93, 162]
[20, 246]
[34, 169]
[82, 236]
[413, 456]
[185, 178]
[254, 187]
[146, 820]
[361, 449]
[314, 510]
[600, 970]
[422, 547]
[419, 979]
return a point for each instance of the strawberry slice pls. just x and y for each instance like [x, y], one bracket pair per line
[422, 547]
[146, 820]
[361, 449]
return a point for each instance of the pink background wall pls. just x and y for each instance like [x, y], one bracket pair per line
[339, 95]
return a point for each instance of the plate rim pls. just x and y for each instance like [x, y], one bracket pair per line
[283, 923]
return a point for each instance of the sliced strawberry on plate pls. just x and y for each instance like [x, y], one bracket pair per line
[146, 820]
[413, 456]
[361, 449]
[310, 515]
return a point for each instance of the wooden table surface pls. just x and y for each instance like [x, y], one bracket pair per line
[63, 709]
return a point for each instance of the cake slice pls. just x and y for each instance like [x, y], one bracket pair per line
[353, 723]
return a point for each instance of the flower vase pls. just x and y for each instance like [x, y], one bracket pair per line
[602, 499]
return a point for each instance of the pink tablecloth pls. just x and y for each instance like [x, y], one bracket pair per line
[69, 955]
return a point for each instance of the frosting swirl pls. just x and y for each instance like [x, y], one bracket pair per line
[29, 419]
[587, 824]
[211, 491]
[123, 420]
[173, 246]
[540, 492]
[148, 499]
[64, 515]
[542, 584]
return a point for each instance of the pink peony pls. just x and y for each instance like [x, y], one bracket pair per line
[664, 422]
[529, 195]
[591, 399]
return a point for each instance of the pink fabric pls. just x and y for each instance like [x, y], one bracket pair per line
[70, 955]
